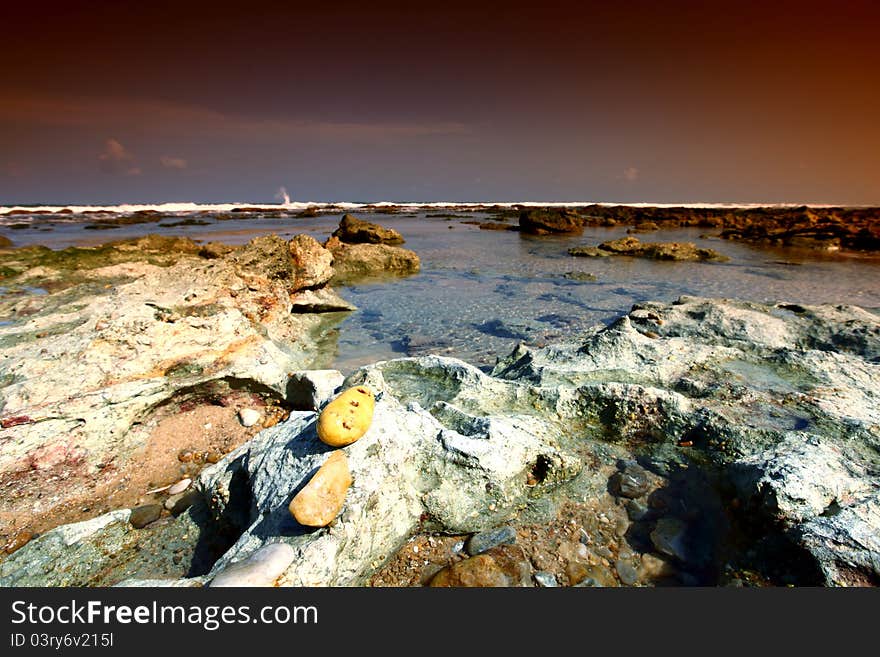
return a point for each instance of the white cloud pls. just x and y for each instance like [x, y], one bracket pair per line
[117, 160]
[169, 162]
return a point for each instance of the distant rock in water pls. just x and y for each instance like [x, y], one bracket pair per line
[588, 252]
[5, 242]
[631, 246]
[549, 222]
[357, 231]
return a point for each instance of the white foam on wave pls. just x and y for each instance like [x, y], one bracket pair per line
[190, 207]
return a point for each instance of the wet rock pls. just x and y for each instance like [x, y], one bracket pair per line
[357, 231]
[626, 572]
[262, 568]
[310, 389]
[353, 262]
[495, 225]
[549, 221]
[631, 246]
[249, 417]
[670, 538]
[631, 482]
[5, 242]
[588, 252]
[504, 566]
[486, 540]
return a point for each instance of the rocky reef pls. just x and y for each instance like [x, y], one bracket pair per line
[705, 441]
[128, 366]
[632, 246]
[816, 228]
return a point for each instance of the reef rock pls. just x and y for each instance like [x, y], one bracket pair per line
[357, 231]
[549, 222]
[129, 329]
[354, 262]
[631, 246]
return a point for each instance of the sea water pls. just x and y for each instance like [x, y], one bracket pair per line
[480, 292]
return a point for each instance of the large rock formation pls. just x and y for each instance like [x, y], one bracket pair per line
[133, 329]
[757, 429]
[357, 231]
[355, 262]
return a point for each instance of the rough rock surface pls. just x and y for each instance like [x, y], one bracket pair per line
[549, 222]
[357, 231]
[312, 263]
[631, 246]
[353, 262]
[779, 405]
[129, 328]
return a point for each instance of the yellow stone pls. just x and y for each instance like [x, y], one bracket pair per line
[347, 418]
[319, 502]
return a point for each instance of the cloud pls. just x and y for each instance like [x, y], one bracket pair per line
[169, 162]
[180, 119]
[117, 160]
[630, 174]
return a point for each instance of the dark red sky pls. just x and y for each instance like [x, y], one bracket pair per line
[617, 101]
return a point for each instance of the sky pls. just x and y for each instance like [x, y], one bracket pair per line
[626, 101]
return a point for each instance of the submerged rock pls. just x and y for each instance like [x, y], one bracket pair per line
[631, 246]
[588, 252]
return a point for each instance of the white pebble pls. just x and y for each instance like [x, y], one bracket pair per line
[249, 417]
[262, 568]
[179, 487]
